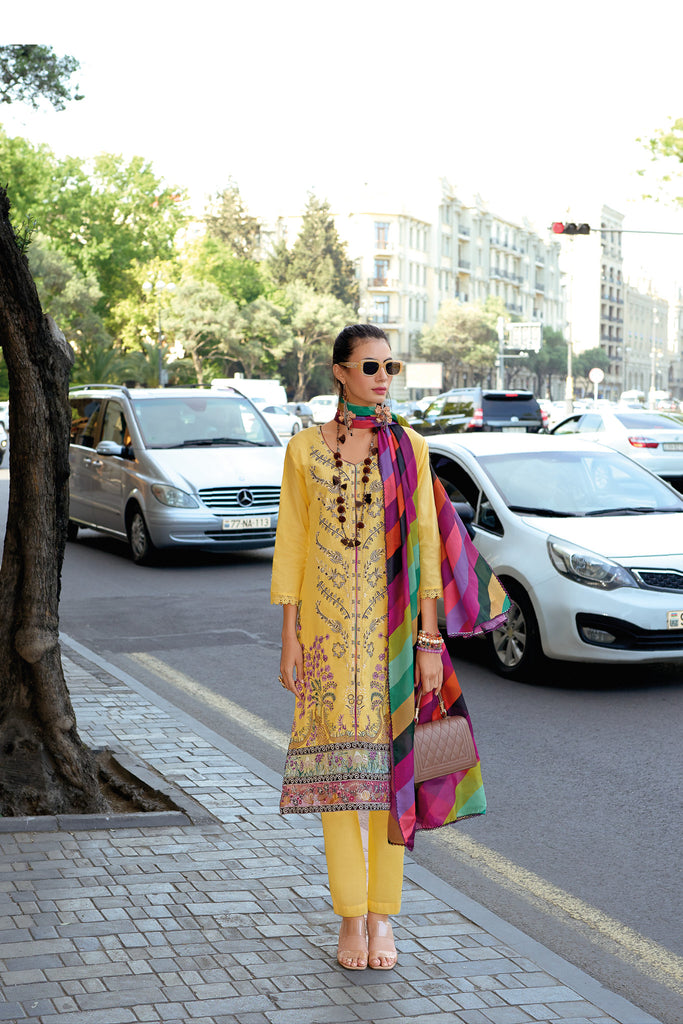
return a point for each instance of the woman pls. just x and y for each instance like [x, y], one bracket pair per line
[358, 554]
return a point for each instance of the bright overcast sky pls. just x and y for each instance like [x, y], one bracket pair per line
[535, 105]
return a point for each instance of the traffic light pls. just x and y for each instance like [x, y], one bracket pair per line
[571, 229]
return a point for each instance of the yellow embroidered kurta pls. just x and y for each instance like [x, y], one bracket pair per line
[339, 757]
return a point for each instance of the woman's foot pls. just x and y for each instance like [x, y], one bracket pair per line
[382, 955]
[352, 950]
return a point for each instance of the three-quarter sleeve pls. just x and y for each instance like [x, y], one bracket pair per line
[291, 539]
[427, 523]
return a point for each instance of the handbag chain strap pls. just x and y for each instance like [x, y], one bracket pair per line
[418, 698]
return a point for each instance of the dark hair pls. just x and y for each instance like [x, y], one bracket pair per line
[346, 340]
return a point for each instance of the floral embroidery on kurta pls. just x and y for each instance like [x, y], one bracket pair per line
[339, 756]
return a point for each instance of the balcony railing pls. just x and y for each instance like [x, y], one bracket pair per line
[382, 282]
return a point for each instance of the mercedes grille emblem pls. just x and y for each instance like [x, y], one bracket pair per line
[245, 498]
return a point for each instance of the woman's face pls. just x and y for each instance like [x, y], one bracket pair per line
[361, 389]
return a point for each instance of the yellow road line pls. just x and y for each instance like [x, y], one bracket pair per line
[648, 956]
[221, 704]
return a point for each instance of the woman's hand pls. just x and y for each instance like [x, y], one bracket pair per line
[428, 670]
[291, 665]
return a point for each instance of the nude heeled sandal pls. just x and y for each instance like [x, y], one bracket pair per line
[353, 944]
[380, 937]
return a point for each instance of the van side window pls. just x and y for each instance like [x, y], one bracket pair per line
[114, 427]
[85, 415]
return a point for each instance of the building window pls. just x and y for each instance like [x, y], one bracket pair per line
[381, 272]
[382, 310]
[381, 234]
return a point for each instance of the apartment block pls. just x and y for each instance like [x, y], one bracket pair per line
[409, 262]
[645, 356]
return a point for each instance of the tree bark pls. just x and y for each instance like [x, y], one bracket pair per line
[44, 766]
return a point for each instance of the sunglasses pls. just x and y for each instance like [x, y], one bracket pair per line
[371, 366]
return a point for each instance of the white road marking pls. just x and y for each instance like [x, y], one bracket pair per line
[221, 704]
[621, 940]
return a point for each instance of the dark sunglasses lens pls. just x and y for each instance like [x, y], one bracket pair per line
[370, 367]
[393, 367]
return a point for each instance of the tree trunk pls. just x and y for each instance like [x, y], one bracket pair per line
[44, 766]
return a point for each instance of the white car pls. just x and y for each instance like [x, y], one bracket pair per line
[3, 443]
[283, 422]
[588, 544]
[323, 408]
[655, 439]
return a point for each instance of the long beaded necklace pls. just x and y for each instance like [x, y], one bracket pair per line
[361, 503]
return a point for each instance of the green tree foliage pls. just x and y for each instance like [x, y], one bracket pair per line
[583, 362]
[551, 361]
[236, 277]
[462, 336]
[106, 215]
[319, 259]
[229, 222]
[263, 338]
[666, 148]
[204, 323]
[314, 320]
[68, 296]
[29, 73]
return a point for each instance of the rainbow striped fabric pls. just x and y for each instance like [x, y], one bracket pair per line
[474, 601]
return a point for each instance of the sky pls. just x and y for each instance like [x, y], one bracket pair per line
[535, 106]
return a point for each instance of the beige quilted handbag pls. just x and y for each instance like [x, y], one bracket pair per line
[442, 746]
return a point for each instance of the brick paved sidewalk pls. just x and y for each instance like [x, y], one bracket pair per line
[229, 920]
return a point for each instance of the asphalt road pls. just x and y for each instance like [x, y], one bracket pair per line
[581, 845]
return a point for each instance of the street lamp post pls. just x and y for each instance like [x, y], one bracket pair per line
[157, 287]
[653, 358]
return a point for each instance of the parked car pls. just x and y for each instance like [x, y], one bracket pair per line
[173, 468]
[588, 544]
[283, 422]
[302, 410]
[4, 416]
[481, 409]
[3, 443]
[323, 407]
[655, 439]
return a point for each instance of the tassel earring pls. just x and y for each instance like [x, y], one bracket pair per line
[347, 419]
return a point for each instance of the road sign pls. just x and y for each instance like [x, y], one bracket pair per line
[528, 336]
[596, 375]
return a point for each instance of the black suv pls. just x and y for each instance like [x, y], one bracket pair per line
[466, 409]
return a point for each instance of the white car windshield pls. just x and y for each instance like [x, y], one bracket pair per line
[577, 484]
[194, 421]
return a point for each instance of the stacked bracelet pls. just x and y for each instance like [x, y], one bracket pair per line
[431, 642]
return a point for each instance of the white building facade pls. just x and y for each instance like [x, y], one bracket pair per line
[408, 265]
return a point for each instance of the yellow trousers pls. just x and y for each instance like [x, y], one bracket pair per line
[355, 891]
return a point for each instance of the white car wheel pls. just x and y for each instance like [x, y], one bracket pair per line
[516, 650]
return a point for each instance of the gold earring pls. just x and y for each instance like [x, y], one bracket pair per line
[347, 421]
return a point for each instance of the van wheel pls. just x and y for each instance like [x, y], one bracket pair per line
[71, 530]
[515, 649]
[295, 428]
[141, 546]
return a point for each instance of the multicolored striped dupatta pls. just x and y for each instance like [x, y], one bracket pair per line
[474, 602]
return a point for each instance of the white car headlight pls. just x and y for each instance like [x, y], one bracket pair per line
[587, 567]
[173, 497]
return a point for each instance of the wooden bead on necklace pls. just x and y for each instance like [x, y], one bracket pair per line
[360, 503]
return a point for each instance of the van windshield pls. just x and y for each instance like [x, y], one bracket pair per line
[179, 421]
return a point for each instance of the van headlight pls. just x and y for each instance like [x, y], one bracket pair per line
[587, 567]
[173, 497]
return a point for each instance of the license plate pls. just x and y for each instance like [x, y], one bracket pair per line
[674, 620]
[673, 446]
[247, 523]
[514, 430]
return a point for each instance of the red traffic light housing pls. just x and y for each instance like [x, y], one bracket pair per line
[560, 228]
